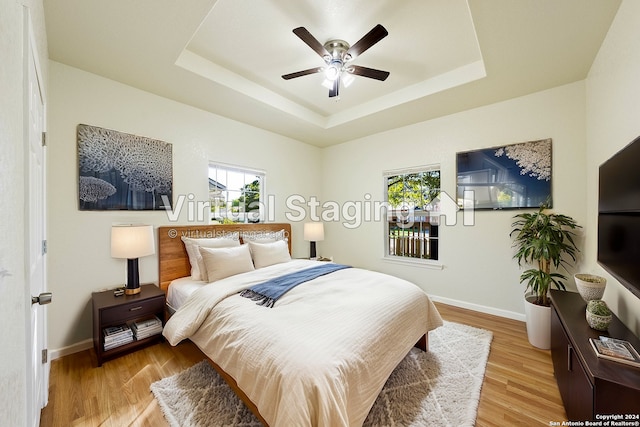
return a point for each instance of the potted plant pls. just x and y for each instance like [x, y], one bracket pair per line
[544, 240]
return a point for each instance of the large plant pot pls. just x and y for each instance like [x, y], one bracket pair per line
[538, 323]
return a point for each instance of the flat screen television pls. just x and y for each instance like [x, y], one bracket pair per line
[619, 216]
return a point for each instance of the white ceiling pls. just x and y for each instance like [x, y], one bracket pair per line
[228, 56]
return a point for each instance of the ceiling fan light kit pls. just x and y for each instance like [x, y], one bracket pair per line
[337, 55]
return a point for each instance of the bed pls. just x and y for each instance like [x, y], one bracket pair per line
[321, 355]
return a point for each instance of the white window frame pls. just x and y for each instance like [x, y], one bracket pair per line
[428, 263]
[247, 172]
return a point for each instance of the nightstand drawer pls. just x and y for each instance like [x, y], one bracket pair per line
[131, 310]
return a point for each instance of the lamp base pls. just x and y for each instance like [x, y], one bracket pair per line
[312, 250]
[133, 277]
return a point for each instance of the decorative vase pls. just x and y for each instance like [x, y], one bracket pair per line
[590, 286]
[598, 315]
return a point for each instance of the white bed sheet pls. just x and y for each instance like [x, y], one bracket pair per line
[322, 354]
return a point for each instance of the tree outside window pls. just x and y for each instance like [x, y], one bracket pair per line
[235, 194]
[413, 214]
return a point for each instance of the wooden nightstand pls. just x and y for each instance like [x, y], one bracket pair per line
[109, 310]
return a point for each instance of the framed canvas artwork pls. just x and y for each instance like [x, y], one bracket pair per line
[120, 171]
[516, 176]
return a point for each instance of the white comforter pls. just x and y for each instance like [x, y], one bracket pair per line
[322, 354]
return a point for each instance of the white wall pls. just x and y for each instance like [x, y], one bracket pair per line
[79, 246]
[478, 270]
[14, 291]
[613, 102]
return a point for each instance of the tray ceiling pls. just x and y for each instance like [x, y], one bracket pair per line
[227, 56]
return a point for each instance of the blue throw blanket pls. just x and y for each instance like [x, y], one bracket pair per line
[267, 293]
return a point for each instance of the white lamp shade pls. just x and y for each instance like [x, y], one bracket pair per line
[313, 231]
[132, 241]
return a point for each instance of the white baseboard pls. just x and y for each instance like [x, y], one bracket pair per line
[75, 348]
[480, 308]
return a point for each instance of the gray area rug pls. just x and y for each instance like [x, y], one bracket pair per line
[438, 388]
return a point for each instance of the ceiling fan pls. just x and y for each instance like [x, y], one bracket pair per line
[337, 55]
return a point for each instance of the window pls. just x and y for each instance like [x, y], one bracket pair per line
[236, 194]
[412, 196]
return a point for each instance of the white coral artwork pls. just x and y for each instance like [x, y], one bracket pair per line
[122, 171]
[93, 189]
[533, 158]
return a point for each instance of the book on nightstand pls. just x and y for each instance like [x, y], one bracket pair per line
[146, 328]
[617, 350]
[115, 336]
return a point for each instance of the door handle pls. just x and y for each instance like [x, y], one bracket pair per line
[42, 299]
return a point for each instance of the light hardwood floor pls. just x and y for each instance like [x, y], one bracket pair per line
[518, 389]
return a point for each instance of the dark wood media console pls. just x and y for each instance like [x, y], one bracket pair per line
[590, 387]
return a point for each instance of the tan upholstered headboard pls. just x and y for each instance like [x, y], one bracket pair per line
[173, 261]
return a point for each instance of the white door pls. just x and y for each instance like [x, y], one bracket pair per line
[38, 369]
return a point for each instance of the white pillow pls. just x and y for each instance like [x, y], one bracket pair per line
[266, 254]
[198, 271]
[225, 262]
[264, 236]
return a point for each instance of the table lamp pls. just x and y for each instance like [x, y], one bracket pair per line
[313, 232]
[132, 242]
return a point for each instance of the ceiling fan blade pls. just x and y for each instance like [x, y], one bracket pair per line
[302, 73]
[334, 90]
[372, 37]
[372, 73]
[311, 41]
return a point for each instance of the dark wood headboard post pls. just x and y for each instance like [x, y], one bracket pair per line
[173, 261]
